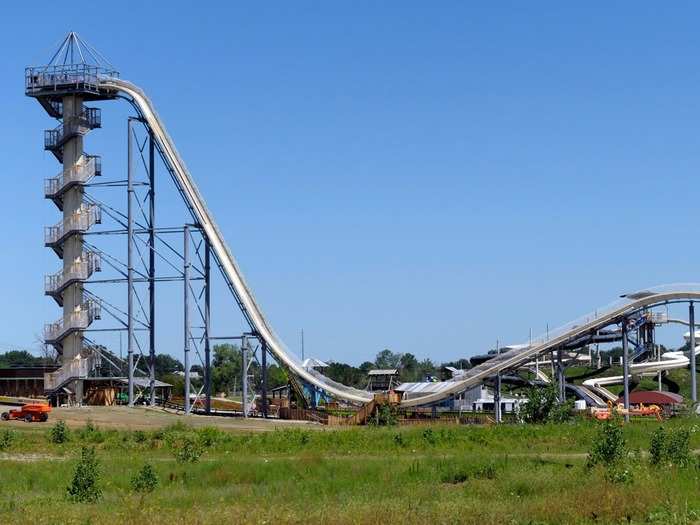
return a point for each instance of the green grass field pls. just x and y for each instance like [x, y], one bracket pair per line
[489, 475]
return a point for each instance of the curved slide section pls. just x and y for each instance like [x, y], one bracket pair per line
[669, 361]
[232, 272]
[520, 354]
[253, 313]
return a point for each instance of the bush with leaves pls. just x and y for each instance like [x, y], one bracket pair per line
[187, 450]
[84, 487]
[543, 406]
[619, 474]
[7, 437]
[145, 480]
[670, 448]
[59, 433]
[384, 415]
[657, 446]
[608, 447]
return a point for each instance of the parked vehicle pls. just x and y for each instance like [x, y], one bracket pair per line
[28, 413]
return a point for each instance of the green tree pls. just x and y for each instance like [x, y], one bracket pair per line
[387, 359]
[409, 368]
[145, 480]
[21, 358]
[166, 364]
[84, 487]
[227, 367]
[543, 406]
[276, 376]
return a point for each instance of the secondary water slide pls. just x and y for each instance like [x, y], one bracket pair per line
[612, 314]
[669, 361]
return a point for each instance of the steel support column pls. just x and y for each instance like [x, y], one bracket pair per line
[207, 325]
[186, 279]
[129, 258]
[561, 381]
[264, 378]
[244, 379]
[658, 355]
[497, 398]
[152, 269]
[693, 373]
[626, 369]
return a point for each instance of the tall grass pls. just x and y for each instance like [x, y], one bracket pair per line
[508, 474]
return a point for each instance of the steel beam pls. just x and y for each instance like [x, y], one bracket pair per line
[626, 369]
[264, 377]
[207, 325]
[693, 372]
[129, 263]
[497, 398]
[152, 269]
[187, 331]
[561, 381]
[244, 379]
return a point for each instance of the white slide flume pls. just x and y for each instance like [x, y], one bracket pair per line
[230, 268]
[251, 310]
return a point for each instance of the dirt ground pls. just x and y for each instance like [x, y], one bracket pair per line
[142, 418]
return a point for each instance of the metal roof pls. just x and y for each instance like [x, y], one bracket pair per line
[652, 397]
[312, 362]
[384, 372]
[424, 388]
[144, 383]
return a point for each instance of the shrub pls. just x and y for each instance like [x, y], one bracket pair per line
[678, 447]
[84, 488]
[429, 436]
[188, 450]
[608, 447]
[140, 436]
[91, 433]
[621, 475]
[7, 438]
[145, 480]
[210, 436]
[385, 415]
[454, 477]
[543, 406]
[657, 446]
[672, 448]
[59, 433]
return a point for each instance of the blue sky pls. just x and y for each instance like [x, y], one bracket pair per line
[396, 174]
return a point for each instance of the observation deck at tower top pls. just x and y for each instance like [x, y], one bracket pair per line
[75, 68]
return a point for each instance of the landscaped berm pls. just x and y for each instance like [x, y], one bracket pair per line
[579, 472]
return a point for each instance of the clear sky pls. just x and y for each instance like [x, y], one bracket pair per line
[428, 177]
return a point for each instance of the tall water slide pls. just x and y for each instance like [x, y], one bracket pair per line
[614, 313]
